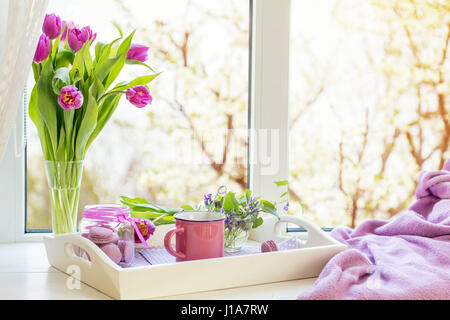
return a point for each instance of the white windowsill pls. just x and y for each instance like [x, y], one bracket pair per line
[26, 274]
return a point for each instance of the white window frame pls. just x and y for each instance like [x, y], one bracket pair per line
[269, 100]
[268, 114]
[12, 188]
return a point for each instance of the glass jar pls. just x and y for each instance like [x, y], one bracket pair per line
[237, 231]
[110, 228]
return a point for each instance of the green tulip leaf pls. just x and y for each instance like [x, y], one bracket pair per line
[106, 111]
[61, 148]
[77, 71]
[142, 205]
[103, 69]
[60, 80]
[101, 51]
[88, 59]
[121, 53]
[118, 29]
[47, 105]
[64, 58]
[36, 71]
[137, 62]
[140, 81]
[33, 112]
[157, 218]
[89, 120]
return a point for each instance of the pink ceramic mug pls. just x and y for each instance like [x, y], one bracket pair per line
[199, 235]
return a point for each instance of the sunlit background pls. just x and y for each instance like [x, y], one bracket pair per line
[369, 87]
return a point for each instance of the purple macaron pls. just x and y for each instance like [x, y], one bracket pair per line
[112, 251]
[269, 246]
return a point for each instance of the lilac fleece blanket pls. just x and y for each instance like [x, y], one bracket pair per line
[407, 257]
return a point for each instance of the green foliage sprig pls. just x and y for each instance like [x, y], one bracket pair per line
[244, 207]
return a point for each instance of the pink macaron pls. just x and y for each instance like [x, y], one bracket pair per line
[112, 251]
[100, 235]
[127, 250]
[269, 246]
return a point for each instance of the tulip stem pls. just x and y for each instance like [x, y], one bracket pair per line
[111, 93]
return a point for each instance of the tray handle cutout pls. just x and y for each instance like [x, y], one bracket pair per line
[316, 236]
[73, 251]
[73, 248]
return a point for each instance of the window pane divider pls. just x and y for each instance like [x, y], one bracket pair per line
[269, 102]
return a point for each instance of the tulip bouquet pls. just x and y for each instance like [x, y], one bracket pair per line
[73, 99]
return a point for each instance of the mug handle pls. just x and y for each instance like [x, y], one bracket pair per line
[168, 242]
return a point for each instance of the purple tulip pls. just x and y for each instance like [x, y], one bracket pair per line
[52, 26]
[43, 49]
[70, 98]
[77, 38]
[138, 52]
[68, 26]
[139, 96]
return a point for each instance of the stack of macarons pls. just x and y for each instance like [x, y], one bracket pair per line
[110, 243]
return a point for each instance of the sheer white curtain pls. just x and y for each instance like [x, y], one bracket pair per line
[20, 27]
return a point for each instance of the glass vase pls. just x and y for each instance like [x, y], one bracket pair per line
[64, 179]
[236, 234]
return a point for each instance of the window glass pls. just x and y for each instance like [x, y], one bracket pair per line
[369, 90]
[193, 138]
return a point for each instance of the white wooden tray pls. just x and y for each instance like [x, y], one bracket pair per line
[194, 276]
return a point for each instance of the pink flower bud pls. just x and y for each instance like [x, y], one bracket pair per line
[138, 52]
[70, 98]
[52, 26]
[43, 49]
[139, 96]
